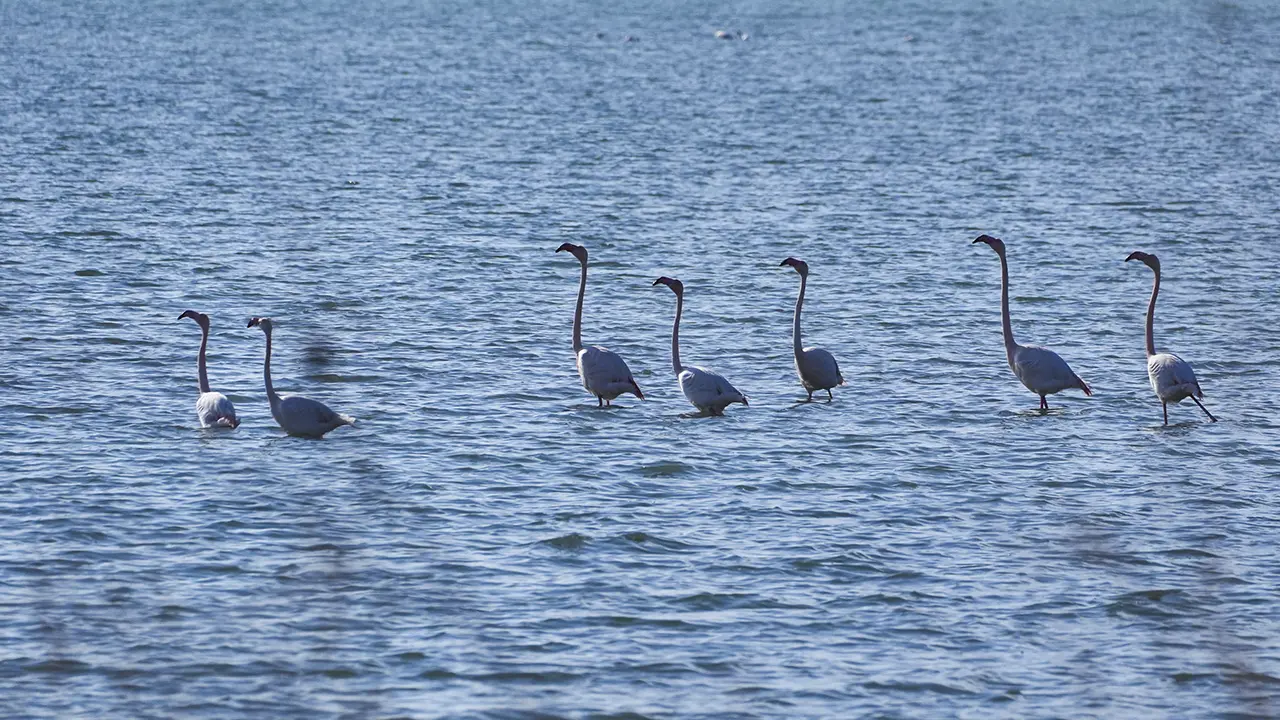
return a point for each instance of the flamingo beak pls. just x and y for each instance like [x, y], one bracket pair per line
[1133, 256]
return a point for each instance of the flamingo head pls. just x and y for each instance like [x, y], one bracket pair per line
[1148, 259]
[996, 243]
[201, 319]
[801, 266]
[676, 286]
[577, 251]
[264, 323]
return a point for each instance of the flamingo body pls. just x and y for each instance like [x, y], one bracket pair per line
[1044, 372]
[215, 410]
[710, 392]
[1172, 378]
[604, 373]
[302, 416]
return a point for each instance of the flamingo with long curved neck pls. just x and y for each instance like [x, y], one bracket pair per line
[1172, 378]
[213, 408]
[707, 391]
[817, 368]
[604, 373]
[1041, 370]
[296, 414]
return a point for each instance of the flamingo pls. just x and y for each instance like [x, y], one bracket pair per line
[297, 415]
[604, 373]
[1041, 370]
[213, 408]
[708, 392]
[1172, 378]
[817, 368]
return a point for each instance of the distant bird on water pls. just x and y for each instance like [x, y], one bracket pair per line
[817, 368]
[297, 415]
[1172, 378]
[1041, 370]
[604, 373]
[708, 392]
[213, 408]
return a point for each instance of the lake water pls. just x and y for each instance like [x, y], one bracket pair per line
[389, 181]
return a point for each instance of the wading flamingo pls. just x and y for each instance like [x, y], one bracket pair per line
[297, 415]
[708, 392]
[604, 373]
[213, 408]
[1041, 370]
[816, 367]
[1171, 377]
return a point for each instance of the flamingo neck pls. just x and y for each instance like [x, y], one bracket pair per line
[795, 326]
[1151, 317]
[577, 314]
[1010, 347]
[266, 374]
[202, 372]
[675, 336]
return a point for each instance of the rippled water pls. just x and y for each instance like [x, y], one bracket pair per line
[389, 182]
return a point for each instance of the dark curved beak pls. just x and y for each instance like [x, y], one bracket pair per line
[182, 316]
[1132, 256]
[252, 322]
[657, 282]
[563, 246]
[784, 263]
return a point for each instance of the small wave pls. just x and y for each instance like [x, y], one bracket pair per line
[572, 541]
[654, 544]
[665, 469]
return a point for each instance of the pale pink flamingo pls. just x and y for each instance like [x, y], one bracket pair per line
[1041, 370]
[604, 373]
[1172, 378]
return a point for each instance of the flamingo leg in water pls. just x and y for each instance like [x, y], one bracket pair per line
[1166, 412]
[830, 397]
[1205, 409]
[810, 398]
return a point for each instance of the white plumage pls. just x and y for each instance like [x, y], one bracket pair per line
[297, 415]
[212, 408]
[1041, 370]
[604, 373]
[710, 392]
[215, 410]
[1172, 378]
[817, 368]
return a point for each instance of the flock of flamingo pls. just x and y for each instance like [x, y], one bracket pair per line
[606, 376]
